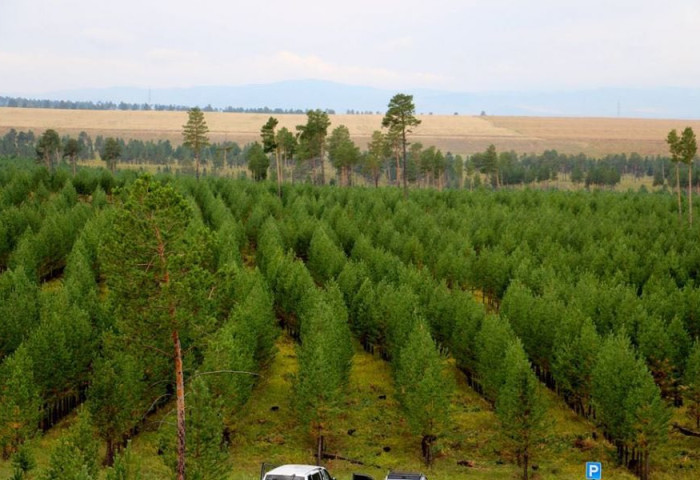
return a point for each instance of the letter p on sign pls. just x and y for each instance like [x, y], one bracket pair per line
[594, 471]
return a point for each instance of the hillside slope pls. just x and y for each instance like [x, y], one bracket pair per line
[372, 430]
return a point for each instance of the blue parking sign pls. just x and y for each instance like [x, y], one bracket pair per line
[594, 471]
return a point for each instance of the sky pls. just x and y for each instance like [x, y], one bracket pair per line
[455, 45]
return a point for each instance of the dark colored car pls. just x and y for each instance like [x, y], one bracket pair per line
[405, 476]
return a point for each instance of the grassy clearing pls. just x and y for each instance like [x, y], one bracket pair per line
[370, 428]
[264, 435]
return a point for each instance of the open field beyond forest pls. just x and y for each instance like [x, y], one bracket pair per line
[455, 133]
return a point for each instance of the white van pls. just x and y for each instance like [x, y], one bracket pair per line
[298, 472]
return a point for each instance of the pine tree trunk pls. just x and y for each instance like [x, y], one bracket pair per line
[646, 465]
[291, 166]
[398, 169]
[196, 166]
[180, 396]
[405, 180]
[109, 456]
[678, 189]
[319, 447]
[620, 456]
[690, 193]
[663, 174]
[526, 464]
[323, 168]
[279, 173]
[427, 448]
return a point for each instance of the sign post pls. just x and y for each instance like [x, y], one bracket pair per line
[594, 471]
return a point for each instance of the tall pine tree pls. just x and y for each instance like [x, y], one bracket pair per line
[400, 120]
[520, 406]
[20, 401]
[194, 134]
[325, 358]
[692, 383]
[628, 404]
[423, 387]
[158, 270]
[116, 397]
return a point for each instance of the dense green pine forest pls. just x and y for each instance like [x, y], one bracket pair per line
[471, 333]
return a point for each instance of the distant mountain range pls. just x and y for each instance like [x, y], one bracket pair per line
[306, 94]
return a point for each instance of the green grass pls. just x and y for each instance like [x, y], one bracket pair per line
[263, 435]
[378, 424]
[680, 456]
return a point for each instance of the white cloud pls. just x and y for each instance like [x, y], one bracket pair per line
[172, 55]
[397, 44]
[108, 37]
[311, 66]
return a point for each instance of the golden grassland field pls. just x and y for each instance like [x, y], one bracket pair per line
[455, 133]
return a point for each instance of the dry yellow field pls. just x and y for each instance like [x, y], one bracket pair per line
[597, 136]
[458, 134]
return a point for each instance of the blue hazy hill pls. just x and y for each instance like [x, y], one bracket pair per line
[664, 102]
